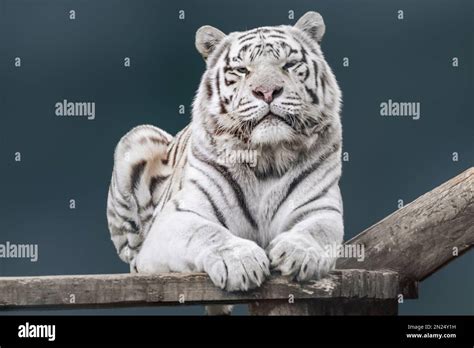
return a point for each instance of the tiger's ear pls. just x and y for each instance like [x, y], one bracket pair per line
[312, 23]
[207, 38]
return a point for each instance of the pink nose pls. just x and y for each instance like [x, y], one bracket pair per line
[267, 94]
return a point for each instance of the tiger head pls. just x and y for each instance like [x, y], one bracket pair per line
[268, 86]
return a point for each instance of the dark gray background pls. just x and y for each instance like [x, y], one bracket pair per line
[82, 60]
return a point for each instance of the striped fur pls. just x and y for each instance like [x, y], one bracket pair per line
[181, 204]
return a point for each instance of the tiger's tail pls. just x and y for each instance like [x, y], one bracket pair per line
[140, 170]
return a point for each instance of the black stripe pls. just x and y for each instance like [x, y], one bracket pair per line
[155, 181]
[275, 52]
[137, 171]
[277, 36]
[314, 97]
[136, 247]
[122, 217]
[229, 83]
[218, 55]
[255, 52]
[247, 34]
[134, 226]
[183, 136]
[158, 140]
[210, 178]
[249, 108]
[320, 194]
[181, 210]
[305, 174]
[235, 186]
[242, 50]
[244, 103]
[147, 218]
[279, 31]
[178, 144]
[208, 88]
[315, 67]
[145, 206]
[323, 83]
[300, 217]
[122, 246]
[226, 274]
[217, 211]
[190, 237]
[223, 109]
[247, 39]
[304, 53]
[121, 204]
[218, 84]
[227, 58]
[122, 201]
[306, 74]
[292, 51]
[174, 149]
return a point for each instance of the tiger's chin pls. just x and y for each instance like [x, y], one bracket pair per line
[272, 132]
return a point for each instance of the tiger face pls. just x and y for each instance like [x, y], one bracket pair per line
[267, 86]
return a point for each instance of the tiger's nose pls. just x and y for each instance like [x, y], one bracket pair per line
[267, 94]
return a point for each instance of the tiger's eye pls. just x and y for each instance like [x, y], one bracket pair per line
[243, 70]
[289, 65]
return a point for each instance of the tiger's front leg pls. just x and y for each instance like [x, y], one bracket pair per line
[183, 240]
[304, 250]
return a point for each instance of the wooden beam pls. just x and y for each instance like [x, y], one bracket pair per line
[114, 290]
[420, 238]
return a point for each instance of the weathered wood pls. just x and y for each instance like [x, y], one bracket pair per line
[357, 295]
[340, 306]
[421, 237]
[176, 289]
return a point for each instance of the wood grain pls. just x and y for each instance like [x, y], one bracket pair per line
[420, 238]
[113, 290]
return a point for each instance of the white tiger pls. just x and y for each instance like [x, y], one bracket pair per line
[177, 205]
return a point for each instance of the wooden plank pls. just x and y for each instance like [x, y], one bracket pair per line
[421, 237]
[113, 290]
[359, 293]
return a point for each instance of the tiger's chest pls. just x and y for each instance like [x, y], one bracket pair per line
[262, 198]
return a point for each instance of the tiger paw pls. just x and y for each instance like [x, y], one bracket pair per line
[299, 256]
[238, 265]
